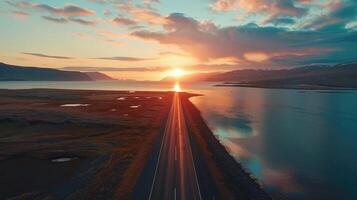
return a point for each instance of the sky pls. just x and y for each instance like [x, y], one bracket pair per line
[147, 39]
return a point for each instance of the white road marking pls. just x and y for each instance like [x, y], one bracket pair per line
[175, 193]
[175, 153]
[175, 112]
[158, 160]
[193, 163]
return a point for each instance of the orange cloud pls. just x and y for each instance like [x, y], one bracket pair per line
[123, 21]
[20, 14]
[224, 5]
[256, 56]
[144, 14]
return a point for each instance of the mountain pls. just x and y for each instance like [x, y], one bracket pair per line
[341, 75]
[252, 75]
[98, 76]
[20, 73]
[195, 77]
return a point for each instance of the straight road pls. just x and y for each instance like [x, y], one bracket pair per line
[175, 174]
[175, 170]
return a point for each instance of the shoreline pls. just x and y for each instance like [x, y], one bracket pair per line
[289, 87]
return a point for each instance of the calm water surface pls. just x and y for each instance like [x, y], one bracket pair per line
[300, 144]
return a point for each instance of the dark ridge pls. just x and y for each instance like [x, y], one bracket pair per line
[98, 76]
[20, 73]
[341, 75]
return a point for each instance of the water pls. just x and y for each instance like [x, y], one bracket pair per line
[301, 144]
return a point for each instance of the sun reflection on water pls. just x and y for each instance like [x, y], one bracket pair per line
[177, 87]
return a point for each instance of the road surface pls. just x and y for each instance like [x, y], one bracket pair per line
[175, 174]
[175, 170]
[178, 167]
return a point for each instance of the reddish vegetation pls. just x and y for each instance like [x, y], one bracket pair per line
[107, 141]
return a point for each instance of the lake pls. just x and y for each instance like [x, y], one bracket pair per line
[299, 144]
[302, 144]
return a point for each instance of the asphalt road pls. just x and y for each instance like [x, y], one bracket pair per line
[175, 171]
[175, 174]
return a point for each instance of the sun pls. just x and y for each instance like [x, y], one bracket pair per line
[177, 73]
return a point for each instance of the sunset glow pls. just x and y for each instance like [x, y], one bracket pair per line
[152, 91]
[256, 57]
[177, 87]
[143, 40]
[177, 73]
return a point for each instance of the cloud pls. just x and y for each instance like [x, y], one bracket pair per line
[248, 43]
[70, 10]
[136, 27]
[19, 4]
[98, 1]
[107, 12]
[61, 15]
[151, 1]
[271, 9]
[115, 69]
[282, 21]
[46, 56]
[107, 34]
[338, 15]
[169, 53]
[126, 59]
[117, 1]
[313, 14]
[142, 13]
[20, 14]
[82, 21]
[124, 21]
[60, 20]
[224, 5]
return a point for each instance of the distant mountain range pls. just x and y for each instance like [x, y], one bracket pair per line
[19, 73]
[312, 76]
[98, 76]
[341, 75]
